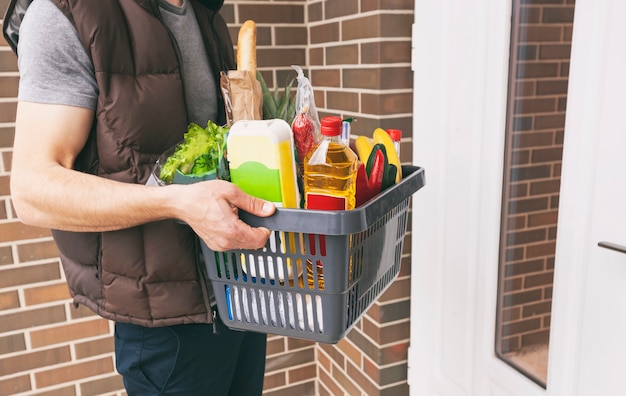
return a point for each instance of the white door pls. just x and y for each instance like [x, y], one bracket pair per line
[459, 119]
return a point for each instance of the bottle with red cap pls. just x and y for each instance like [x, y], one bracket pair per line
[330, 170]
[396, 135]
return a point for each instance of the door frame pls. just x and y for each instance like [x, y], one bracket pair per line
[461, 68]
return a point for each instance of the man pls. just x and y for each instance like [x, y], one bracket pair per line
[106, 87]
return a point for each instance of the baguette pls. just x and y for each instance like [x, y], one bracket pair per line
[246, 47]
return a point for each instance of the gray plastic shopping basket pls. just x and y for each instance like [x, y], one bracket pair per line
[359, 252]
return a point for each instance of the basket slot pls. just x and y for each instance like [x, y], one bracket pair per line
[275, 309]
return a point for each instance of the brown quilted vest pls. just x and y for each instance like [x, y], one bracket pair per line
[152, 274]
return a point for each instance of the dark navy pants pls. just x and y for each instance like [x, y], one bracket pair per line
[189, 360]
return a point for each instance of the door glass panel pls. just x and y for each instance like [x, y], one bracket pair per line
[539, 66]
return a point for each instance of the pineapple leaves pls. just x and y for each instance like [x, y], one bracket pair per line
[279, 104]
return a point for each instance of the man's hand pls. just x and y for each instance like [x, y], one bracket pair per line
[210, 208]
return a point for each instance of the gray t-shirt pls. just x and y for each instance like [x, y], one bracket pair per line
[54, 67]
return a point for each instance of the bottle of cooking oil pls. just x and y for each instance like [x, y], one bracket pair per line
[330, 170]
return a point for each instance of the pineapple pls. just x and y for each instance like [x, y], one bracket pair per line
[279, 104]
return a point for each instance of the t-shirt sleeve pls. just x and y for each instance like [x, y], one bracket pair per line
[54, 67]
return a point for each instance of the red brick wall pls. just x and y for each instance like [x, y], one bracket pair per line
[540, 50]
[357, 55]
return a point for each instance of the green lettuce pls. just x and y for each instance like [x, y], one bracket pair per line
[201, 151]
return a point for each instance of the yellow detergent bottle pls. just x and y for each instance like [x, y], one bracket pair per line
[261, 160]
[262, 163]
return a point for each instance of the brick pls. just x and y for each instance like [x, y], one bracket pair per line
[539, 34]
[540, 308]
[555, 51]
[345, 382]
[538, 337]
[342, 55]
[291, 35]
[69, 332]
[330, 384]
[540, 187]
[510, 314]
[535, 139]
[530, 172]
[535, 105]
[552, 87]
[527, 205]
[521, 326]
[390, 312]
[515, 222]
[550, 121]
[324, 34]
[274, 380]
[523, 123]
[372, 5]
[526, 52]
[524, 267]
[7, 158]
[7, 111]
[280, 57]
[80, 312]
[37, 251]
[289, 359]
[362, 381]
[547, 155]
[343, 101]
[34, 360]
[93, 348]
[316, 57]
[542, 219]
[543, 279]
[513, 254]
[528, 14]
[375, 26]
[25, 319]
[400, 288]
[350, 351]
[73, 372]
[272, 13]
[378, 78]
[396, 390]
[66, 391]
[541, 250]
[46, 294]
[315, 11]
[512, 284]
[525, 237]
[9, 300]
[12, 343]
[327, 77]
[335, 9]
[558, 15]
[518, 190]
[8, 86]
[386, 52]
[7, 135]
[102, 386]
[8, 60]
[4, 185]
[29, 274]
[387, 103]
[524, 88]
[275, 346]
[15, 385]
[509, 344]
[302, 373]
[529, 70]
[519, 157]
[296, 343]
[16, 231]
[335, 355]
[393, 354]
